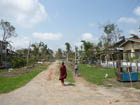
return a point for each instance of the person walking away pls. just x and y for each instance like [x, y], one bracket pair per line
[76, 69]
[63, 73]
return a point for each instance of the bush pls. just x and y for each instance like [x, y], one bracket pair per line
[18, 62]
[31, 61]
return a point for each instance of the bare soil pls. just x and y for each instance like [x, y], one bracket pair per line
[46, 89]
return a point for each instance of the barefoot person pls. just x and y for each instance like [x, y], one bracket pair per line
[63, 73]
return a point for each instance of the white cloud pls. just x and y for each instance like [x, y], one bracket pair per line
[137, 11]
[78, 44]
[48, 36]
[127, 20]
[20, 42]
[133, 32]
[24, 12]
[87, 36]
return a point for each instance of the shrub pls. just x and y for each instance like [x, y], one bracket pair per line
[18, 62]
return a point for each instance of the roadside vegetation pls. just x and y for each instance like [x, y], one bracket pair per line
[16, 78]
[95, 74]
[103, 76]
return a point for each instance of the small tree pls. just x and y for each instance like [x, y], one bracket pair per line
[111, 35]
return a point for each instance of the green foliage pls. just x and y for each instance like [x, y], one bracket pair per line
[132, 58]
[70, 77]
[18, 62]
[134, 36]
[31, 61]
[68, 47]
[59, 53]
[88, 48]
[111, 35]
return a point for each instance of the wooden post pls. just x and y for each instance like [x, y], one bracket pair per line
[129, 75]
[137, 65]
[28, 53]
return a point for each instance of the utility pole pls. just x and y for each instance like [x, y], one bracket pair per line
[28, 53]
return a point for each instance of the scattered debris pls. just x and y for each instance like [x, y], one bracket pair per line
[9, 70]
[106, 75]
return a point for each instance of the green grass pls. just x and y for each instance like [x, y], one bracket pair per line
[9, 84]
[70, 77]
[139, 75]
[3, 70]
[95, 75]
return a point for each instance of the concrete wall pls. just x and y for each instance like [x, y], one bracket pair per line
[123, 64]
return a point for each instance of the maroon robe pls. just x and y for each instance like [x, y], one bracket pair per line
[63, 72]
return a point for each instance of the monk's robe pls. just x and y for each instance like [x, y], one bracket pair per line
[63, 72]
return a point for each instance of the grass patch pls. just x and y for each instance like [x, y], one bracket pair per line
[9, 84]
[139, 75]
[18, 77]
[95, 75]
[70, 77]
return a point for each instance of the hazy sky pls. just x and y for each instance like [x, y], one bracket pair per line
[58, 21]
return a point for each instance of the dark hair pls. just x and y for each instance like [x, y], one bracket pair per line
[62, 63]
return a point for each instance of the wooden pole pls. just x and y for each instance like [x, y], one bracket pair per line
[28, 53]
[129, 75]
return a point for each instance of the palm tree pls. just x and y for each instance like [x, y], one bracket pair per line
[50, 53]
[134, 36]
[59, 53]
[36, 49]
[44, 50]
[68, 47]
[88, 49]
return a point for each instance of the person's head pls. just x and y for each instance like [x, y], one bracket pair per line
[75, 63]
[62, 63]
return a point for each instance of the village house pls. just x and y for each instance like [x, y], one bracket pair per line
[131, 49]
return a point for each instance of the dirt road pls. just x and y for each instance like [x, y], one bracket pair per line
[46, 89]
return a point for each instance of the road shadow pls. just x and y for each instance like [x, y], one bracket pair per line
[69, 84]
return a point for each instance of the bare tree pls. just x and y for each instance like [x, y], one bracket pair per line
[8, 30]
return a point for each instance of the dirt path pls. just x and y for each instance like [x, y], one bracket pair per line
[46, 89]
